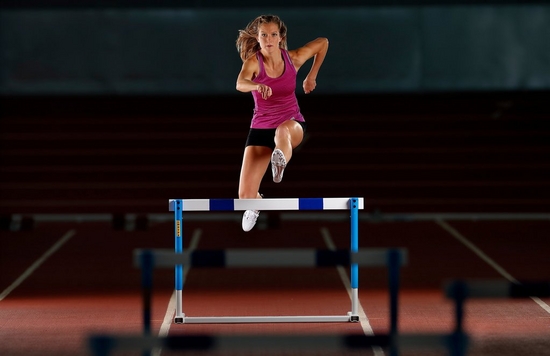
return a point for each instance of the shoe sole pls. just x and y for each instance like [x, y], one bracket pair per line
[277, 169]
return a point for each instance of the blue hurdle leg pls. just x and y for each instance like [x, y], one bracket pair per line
[178, 232]
[354, 211]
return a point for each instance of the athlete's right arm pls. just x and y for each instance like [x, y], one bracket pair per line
[248, 72]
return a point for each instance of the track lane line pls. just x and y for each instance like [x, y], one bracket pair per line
[363, 319]
[456, 234]
[37, 263]
[168, 317]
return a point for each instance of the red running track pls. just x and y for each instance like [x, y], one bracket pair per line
[88, 285]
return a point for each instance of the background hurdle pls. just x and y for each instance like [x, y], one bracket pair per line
[393, 258]
[352, 204]
[460, 291]
[147, 260]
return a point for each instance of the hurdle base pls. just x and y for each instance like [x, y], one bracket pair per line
[266, 319]
[179, 320]
[354, 318]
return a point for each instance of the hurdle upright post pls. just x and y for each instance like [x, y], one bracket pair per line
[178, 232]
[354, 268]
[147, 290]
[394, 264]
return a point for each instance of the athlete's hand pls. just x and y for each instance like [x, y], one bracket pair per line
[264, 90]
[309, 85]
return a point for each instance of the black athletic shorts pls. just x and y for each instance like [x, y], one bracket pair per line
[265, 137]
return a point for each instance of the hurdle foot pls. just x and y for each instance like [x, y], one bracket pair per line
[178, 320]
[353, 318]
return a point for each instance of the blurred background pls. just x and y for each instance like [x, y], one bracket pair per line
[436, 112]
[421, 106]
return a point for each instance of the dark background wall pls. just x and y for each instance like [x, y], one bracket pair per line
[421, 106]
[188, 47]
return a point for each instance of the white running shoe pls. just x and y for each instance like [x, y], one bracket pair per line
[249, 219]
[278, 164]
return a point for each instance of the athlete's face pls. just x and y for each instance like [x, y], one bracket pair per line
[269, 37]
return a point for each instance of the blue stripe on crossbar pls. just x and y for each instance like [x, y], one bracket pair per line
[222, 204]
[310, 203]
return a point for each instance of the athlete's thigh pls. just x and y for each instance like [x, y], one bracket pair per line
[296, 132]
[255, 162]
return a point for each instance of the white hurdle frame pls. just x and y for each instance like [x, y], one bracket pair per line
[178, 206]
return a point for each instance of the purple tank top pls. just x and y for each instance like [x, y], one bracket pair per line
[282, 105]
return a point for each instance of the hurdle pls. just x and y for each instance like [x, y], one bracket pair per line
[461, 290]
[148, 260]
[178, 206]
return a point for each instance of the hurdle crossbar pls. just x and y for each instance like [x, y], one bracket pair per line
[497, 289]
[308, 204]
[238, 258]
[103, 344]
[178, 206]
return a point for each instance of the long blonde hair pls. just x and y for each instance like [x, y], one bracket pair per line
[247, 42]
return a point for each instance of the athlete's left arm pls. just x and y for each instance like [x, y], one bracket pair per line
[318, 50]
